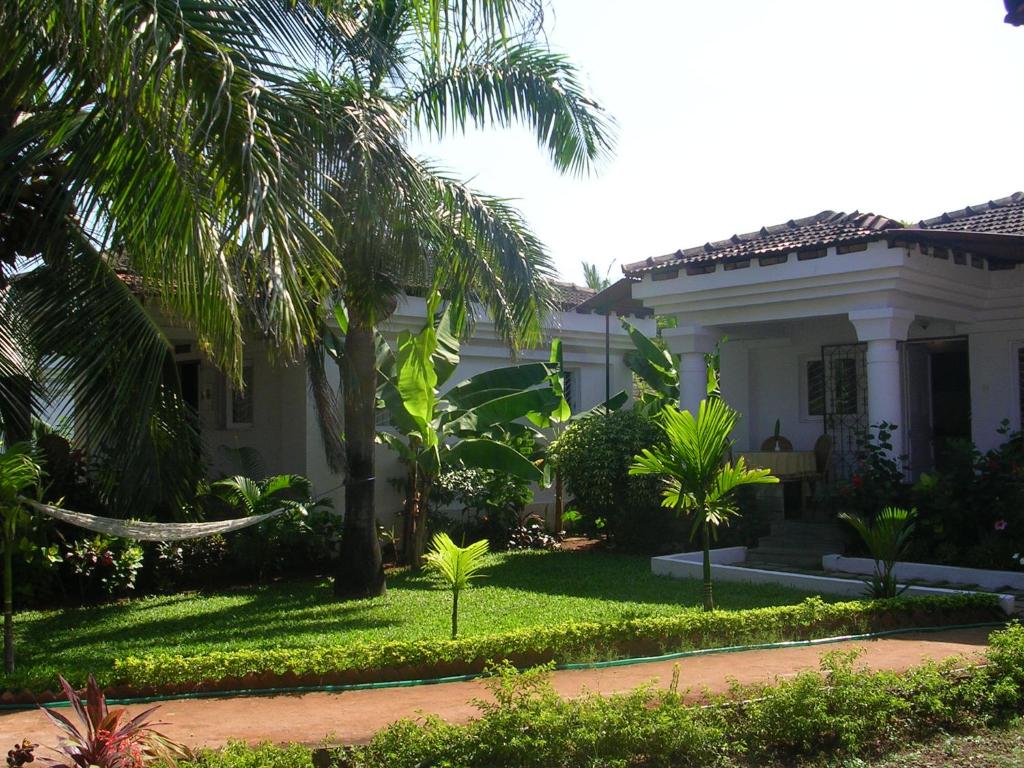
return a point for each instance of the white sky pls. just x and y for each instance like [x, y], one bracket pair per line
[733, 114]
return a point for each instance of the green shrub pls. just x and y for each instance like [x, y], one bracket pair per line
[594, 455]
[564, 643]
[839, 712]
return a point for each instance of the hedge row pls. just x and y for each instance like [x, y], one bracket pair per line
[831, 715]
[355, 663]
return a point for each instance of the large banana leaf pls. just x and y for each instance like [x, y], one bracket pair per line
[653, 364]
[563, 412]
[417, 380]
[446, 352]
[478, 389]
[503, 410]
[482, 453]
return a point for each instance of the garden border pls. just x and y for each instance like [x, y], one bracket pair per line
[397, 662]
[688, 565]
[952, 574]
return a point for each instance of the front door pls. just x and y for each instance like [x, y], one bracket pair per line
[938, 401]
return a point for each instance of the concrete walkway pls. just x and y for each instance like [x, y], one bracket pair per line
[354, 716]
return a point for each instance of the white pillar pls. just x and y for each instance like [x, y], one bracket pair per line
[691, 343]
[885, 397]
[693, 381]
[882, 329]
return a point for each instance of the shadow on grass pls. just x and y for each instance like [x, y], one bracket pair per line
[622, 578]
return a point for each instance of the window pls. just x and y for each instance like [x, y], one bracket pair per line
[240, 403]
[814, 383]
[837, 393]
[569, 388]
[844, 386]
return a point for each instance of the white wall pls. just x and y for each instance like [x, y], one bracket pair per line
[583, 338]
[995, 389]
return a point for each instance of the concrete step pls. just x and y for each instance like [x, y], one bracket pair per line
[800, 545]
[784, 556]
[820, 531]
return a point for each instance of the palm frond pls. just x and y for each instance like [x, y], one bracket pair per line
[505, 85]
[457, 565]
[114, 370]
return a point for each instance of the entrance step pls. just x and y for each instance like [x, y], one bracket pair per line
[767, 557]
[797, 544]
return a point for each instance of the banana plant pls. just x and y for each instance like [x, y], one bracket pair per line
[556, 422]
[656, 368]
[466, 427]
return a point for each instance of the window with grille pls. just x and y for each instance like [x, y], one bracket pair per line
[845, 398]
[814, 388]
[240, 401]
[569, 388]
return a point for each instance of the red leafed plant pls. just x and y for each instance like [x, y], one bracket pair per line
[108, 738]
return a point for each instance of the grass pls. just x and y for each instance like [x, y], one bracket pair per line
[994, 748]
[518, 590]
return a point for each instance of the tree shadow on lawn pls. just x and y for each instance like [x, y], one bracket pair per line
[281, 614]
[613, 577]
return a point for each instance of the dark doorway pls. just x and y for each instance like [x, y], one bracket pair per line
[188, 375]
[938, 408]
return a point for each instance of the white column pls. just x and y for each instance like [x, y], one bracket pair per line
[693, 381]
[885, 400]
[691, 343]
[883, 329]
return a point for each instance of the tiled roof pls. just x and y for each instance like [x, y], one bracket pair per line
[811, 233]
[1004, 216]
[569, 295]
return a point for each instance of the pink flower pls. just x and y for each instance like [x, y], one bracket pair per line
[1001, 525]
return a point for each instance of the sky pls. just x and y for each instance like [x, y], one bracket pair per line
[734, 114]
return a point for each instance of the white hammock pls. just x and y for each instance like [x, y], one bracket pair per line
[130, 529]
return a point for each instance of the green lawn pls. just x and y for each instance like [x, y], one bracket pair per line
[998, 748]
[518, 590]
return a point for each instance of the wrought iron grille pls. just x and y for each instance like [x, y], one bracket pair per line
[844, 372]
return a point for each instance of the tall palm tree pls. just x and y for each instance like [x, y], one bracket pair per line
[160, 139]
[402, 220]
[699, 481]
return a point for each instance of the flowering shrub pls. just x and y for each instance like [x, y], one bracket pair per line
[877, 480]
[103, 566]
[973, 513]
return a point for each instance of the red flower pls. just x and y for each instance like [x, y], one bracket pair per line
[857, 481]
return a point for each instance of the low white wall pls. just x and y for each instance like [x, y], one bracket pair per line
[925, 572]
[688, 566]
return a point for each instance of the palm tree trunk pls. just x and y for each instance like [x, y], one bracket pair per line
[8, 603]
[420, 533]
[360, 572]
[709, 600]
[455, 613]
[559, 502]
[411, 510]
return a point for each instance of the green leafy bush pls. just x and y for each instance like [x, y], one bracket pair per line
[362, 662]
[594, 456]
[837, 712]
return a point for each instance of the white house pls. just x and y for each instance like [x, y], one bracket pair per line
[276, 414]
[838, 321]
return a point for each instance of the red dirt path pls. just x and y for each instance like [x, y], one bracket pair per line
[354, 716]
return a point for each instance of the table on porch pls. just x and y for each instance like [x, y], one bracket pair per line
[785, 465]
[796, 467]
